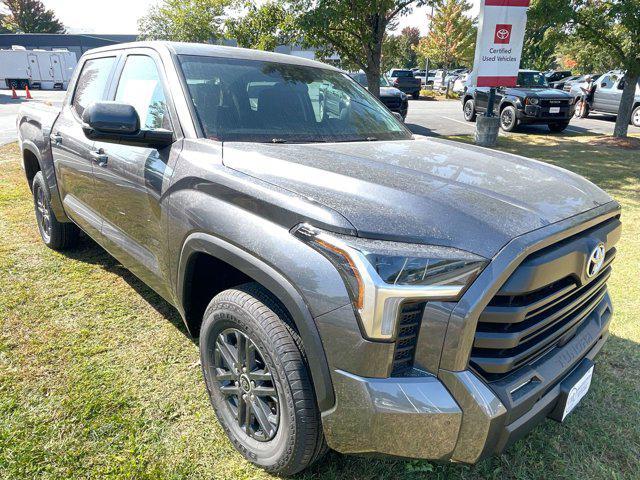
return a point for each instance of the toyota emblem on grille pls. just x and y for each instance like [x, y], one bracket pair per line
[596, 259]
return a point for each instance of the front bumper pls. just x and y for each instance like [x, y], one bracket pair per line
[540, 114]
[455, 416]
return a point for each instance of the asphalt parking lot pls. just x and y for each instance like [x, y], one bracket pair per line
[428, 117]
[425, 117]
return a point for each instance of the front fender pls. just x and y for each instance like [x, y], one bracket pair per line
[279, 286]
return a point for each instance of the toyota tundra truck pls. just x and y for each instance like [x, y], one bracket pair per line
[352, 286]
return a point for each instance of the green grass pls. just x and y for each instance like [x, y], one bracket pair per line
[99, 380]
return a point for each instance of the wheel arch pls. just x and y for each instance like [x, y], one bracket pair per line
[242, 266]
[31, 162]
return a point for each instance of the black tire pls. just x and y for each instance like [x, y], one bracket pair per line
[635, 117]
[558, 127]
[251, 312]
[469, 110]
[416, 95]
[508, 118]
[55, 235]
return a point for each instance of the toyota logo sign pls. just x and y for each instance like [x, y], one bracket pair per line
[503, 33]
[596, 259]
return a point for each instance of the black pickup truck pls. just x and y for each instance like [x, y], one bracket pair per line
[531, 101]
[352, 285]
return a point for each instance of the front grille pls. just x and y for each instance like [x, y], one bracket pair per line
[517, 328]
[409, 321]
[545, 102]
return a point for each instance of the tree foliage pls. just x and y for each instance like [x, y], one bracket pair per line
[399, 50]
[184, 20]
[264, 27]
[29, 16]
[451, 40]
[354, 29]
[611, 26]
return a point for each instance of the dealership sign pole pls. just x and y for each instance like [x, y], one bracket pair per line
[501, 28]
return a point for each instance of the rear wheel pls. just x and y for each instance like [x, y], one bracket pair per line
[635, 116]
[258, 381]
[558, 127]
[469, 110]
[508, 119]
[55, 234]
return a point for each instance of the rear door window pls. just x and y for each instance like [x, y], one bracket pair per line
[92, 83]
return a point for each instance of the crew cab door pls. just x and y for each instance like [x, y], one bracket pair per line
[607, 97]
[131, 179]
[71, 149]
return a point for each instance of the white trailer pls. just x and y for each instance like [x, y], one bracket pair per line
[14, 68]
[36, 68]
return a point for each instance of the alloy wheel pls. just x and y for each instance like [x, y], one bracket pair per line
[247, 384]
[43, 214]
[636, 118]
[507, 118]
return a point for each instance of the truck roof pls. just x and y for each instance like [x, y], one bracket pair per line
[183, 48]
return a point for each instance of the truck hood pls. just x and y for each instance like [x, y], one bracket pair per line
[424, 190]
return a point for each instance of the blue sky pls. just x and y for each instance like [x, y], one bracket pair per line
[120, 16]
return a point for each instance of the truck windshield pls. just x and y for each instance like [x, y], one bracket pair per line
[532, 79]
[259, 101]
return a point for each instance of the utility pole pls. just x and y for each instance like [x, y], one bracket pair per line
[426, 67]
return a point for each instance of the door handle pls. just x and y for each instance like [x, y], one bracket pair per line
[99, 157]
[56, 138]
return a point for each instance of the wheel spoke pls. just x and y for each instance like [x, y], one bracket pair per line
[241, 346]
[229, 353]
[228, 390]
[242, 411]
[223, 375]
[264, 391]
[247, 417]
[262, 413]
[262, 375]
[250, 355]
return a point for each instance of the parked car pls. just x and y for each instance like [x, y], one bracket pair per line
[581, 81]
[394, 99]
[421, 74]
[460, 84]
[607, 96]
[559, 84]
[404, 80]
[531, 101]
[554, 76]
[352, 285]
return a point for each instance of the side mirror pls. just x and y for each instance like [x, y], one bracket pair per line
[119, 123]
[398, 117]
[603, 85]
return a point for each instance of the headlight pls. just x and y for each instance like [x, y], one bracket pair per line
[380, 276]
[531, 101]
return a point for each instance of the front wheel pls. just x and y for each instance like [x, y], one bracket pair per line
[558, 127]
[635, 117]
[258, 380]
[55, 235]
[508, 119]
[469, 110]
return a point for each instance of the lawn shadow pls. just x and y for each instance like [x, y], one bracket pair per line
[88, 251]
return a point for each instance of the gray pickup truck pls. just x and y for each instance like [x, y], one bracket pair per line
[352, 286]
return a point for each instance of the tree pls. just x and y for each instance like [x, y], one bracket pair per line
[29, 16]
[613, 26]
[583, 57]
[354, 29]
[263, 27]
[184, 21]
[451, 40]
[399, 50]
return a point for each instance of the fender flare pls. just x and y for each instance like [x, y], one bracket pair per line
[279, 286]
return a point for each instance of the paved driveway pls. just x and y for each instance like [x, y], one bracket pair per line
[445, 118]
[9, 109]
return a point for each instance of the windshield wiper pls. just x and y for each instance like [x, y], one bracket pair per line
[278, 140]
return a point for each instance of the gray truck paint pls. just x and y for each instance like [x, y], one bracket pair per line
[239, 201]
